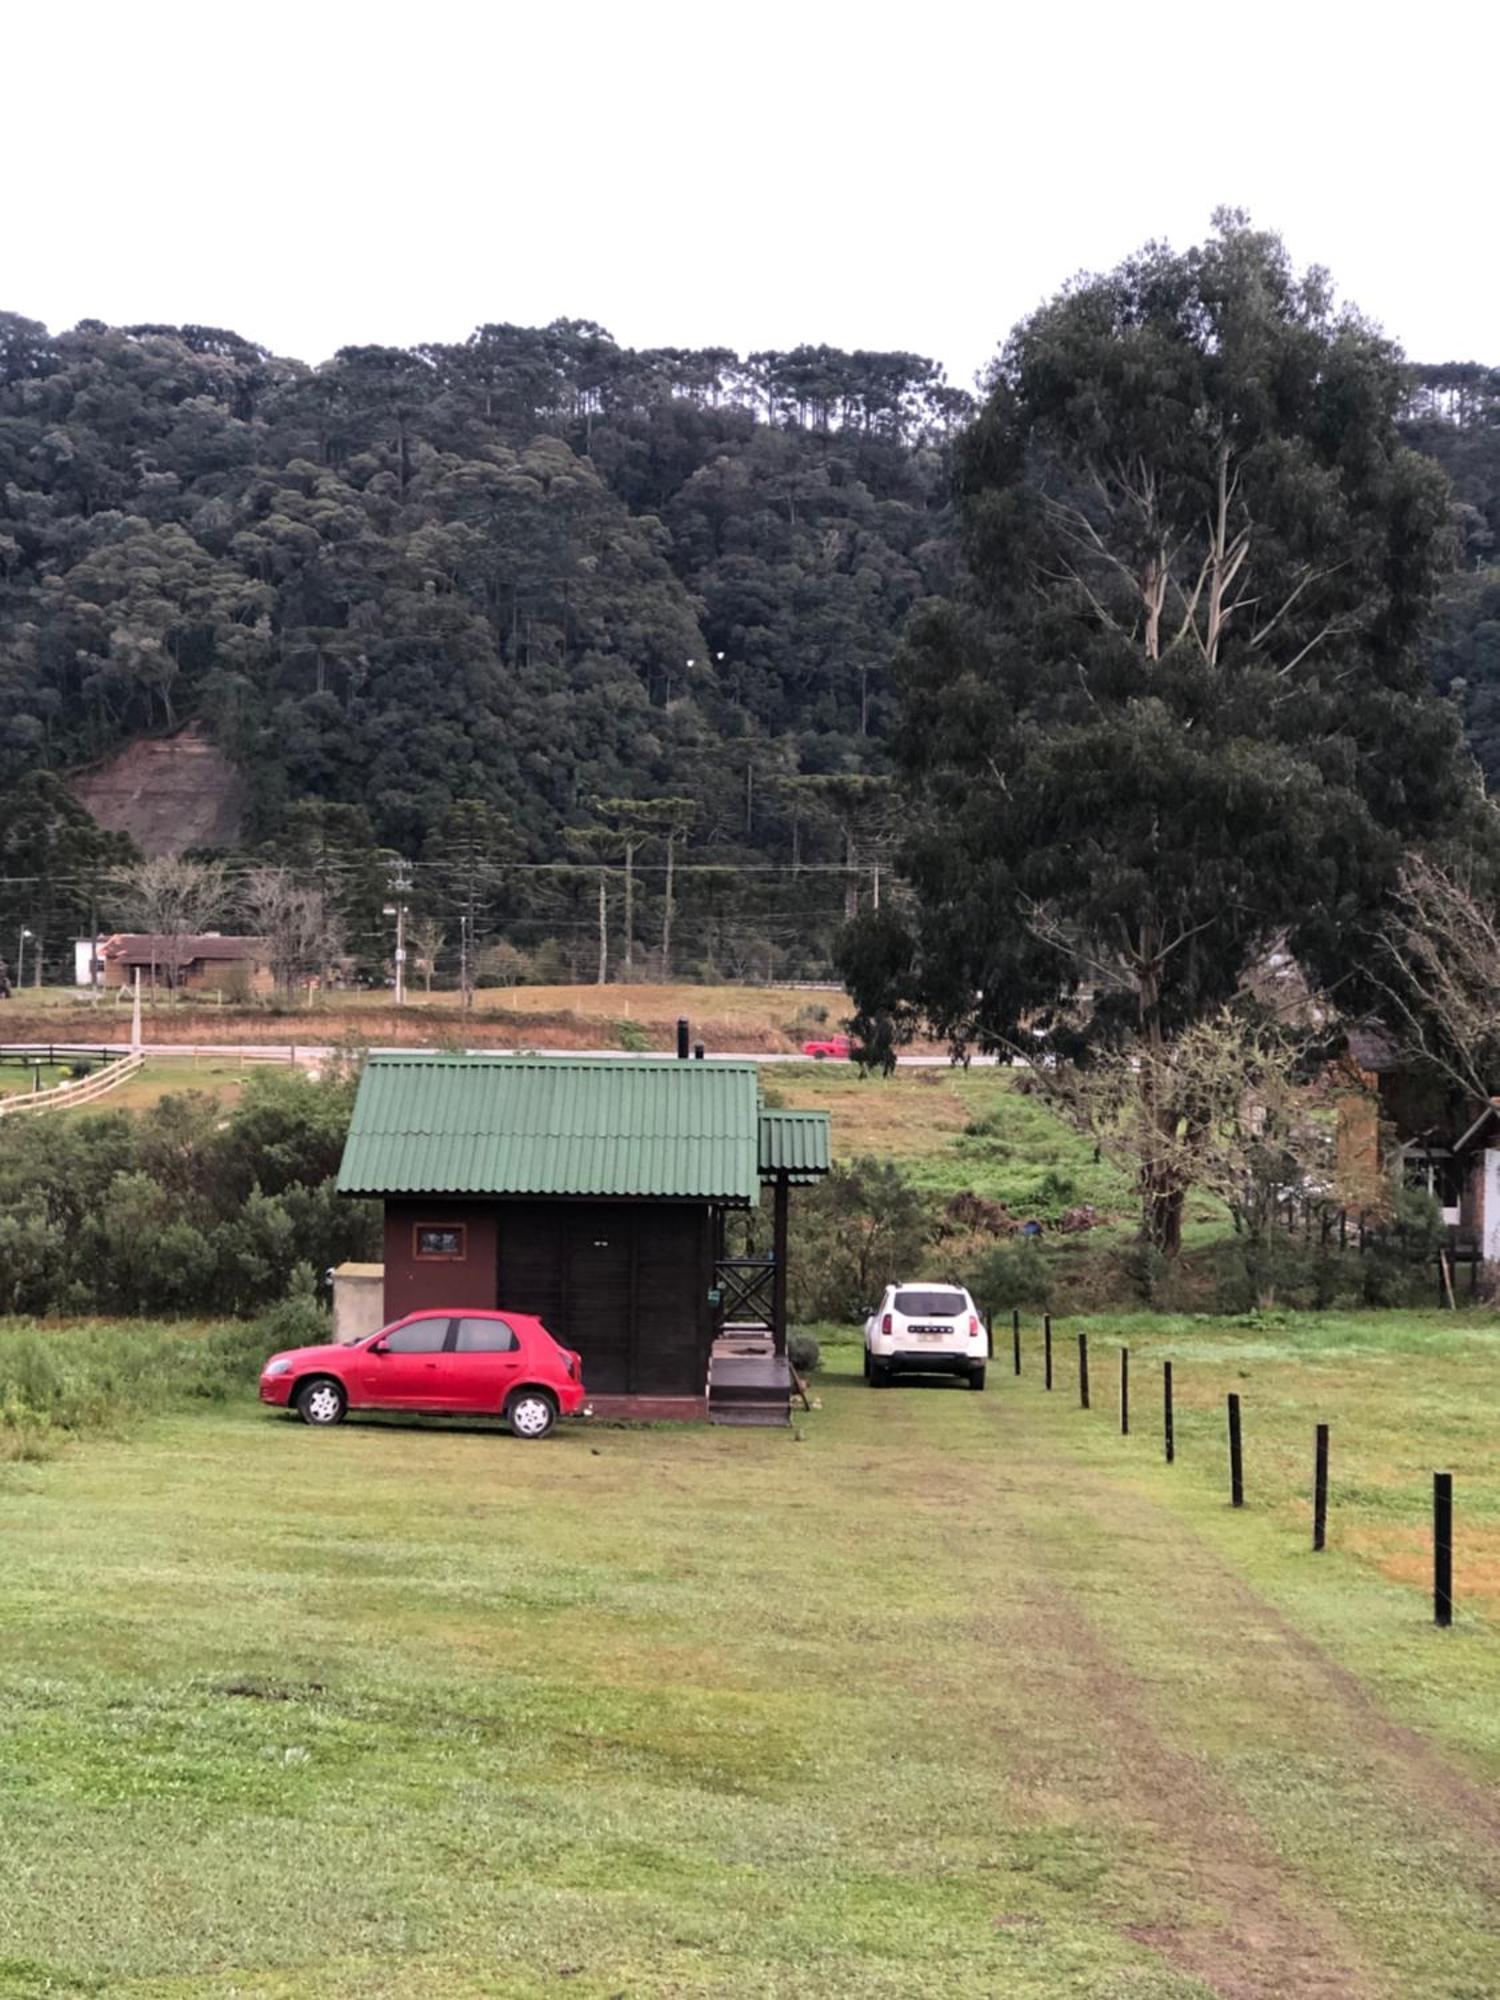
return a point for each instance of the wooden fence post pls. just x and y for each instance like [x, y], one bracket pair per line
[1442, 1548]
[1124, 1392]
[1320, 1488]
[1083, 1371]
[1015, 1335]
[1046, 1350]
[1168, 1431]
[1236, 1456]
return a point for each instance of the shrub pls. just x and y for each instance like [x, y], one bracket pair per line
[1396, 1267]
[852, 1234]
[632, 1037]
[1146, 1269]
[1012, 1274]
[295, 1321]
[179, 1209]
[803, 1352]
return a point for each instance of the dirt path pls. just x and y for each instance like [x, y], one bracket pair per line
[1260, 1774]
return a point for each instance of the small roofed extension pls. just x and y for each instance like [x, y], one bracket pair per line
[593, 1192]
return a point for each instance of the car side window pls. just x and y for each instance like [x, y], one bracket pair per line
[420, 1336]
[485, 1336]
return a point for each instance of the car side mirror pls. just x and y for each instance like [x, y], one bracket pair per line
[378, 1347]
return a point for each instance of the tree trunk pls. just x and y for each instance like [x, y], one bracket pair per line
[666, 914]
[629, 903]
[1161, 1213]
[1160, 1188]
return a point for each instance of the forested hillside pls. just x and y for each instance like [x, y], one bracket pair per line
[487, 598]
[1455, 415]
[526, 570]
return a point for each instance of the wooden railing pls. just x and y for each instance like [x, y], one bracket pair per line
[746, 1287]
[64, 1096]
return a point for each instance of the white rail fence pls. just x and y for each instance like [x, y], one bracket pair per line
[65, 1095]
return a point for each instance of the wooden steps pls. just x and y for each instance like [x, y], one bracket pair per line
[748, 1383]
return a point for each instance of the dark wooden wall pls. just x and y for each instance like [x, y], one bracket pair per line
[414, 1286]
[626, 1283]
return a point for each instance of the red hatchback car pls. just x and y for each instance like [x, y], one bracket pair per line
[480, 1363]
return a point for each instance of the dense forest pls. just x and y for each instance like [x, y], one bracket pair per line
[526, 611]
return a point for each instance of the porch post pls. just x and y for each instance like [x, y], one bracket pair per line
[778, 1291]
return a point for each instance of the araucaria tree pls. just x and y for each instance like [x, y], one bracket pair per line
[1179, 710]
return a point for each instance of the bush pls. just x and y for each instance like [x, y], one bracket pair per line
[1012, 1274]
[803, 1351]
[632, 1038]
[1397, 1264]
[295, 1321]
[179, 1209]
[851, 1235]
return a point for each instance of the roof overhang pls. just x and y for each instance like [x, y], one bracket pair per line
[559, 1127]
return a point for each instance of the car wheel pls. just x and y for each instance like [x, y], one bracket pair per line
[976, 1378]
[531, 1413]
[321, 1402]
[820, 1055]
[867, 1364]
[880, 1374]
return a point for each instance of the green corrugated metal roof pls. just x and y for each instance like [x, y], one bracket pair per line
[554, 1125]
[795, 1143]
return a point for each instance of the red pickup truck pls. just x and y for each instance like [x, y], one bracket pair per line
[836, 1046]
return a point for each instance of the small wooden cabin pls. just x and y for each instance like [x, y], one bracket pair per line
[592, 1191]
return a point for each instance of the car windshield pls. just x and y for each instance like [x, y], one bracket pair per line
[923, 1305]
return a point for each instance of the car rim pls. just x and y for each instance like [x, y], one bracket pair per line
[531, 1416]
[323, 1405]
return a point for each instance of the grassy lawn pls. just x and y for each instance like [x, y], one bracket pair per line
[222, 1077]
[943, 1695]
[954, 1130]
[16, 1079]
[629, 1017]
[1404, 1395]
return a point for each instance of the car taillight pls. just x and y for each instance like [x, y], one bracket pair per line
[973, 1324]
[573, 1367]
[885, 1326]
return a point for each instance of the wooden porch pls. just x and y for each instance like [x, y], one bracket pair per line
[749, 1383]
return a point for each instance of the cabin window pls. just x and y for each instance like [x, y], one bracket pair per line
[440, 1242]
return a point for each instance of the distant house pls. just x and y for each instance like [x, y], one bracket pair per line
[593, 1191]
[1405, 1119]
[205, 963]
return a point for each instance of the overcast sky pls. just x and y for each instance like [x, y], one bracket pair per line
[747, 176]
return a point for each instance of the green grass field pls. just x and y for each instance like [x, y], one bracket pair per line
[942, 1694]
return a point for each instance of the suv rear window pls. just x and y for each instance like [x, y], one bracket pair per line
[929, 1305]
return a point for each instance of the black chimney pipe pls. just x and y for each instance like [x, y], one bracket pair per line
[698, 1050]
[682, 1040]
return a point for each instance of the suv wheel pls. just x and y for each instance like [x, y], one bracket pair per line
[531, 1413]
[321, 1402]
[880, 1374]
[976, 1378]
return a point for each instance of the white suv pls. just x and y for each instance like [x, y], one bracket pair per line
[925, 1330]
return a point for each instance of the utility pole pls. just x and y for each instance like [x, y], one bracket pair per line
[466, 956]
[400, 889]
[603, 933]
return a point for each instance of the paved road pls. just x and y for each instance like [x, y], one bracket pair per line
[321, 1052]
